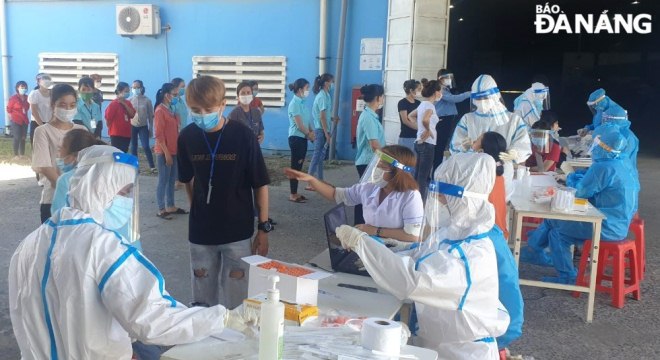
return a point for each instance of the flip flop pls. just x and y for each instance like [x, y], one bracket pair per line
[164, 215]
[178, 211]
[298, 200]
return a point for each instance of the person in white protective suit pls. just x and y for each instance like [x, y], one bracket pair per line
[452, 275]
[532, 102]
[78, 290]
[490, 114]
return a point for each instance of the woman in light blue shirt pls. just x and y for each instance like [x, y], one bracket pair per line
[89, 112]
[370, 132]
[446, 110]
[322, 115]
[300, 130]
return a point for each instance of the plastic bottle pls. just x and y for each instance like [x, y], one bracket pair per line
[271, 325]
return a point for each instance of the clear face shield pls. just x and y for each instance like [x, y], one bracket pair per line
[542, 98]
[489, 104]
[383, 168]
[122, 212]
[596, 105]
[541, 140]
[447, 80]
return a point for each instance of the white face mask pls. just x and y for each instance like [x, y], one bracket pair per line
[45, 83]
[245, 99]
[440, 218]
[446, 82]
[97, 84]
[484, 106]
[305, 93]
[65, 115]
[381, 104]
[378, 177]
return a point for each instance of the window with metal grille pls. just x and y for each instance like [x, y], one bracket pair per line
[268, 71]
[68, 68]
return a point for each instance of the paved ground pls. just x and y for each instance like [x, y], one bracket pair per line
[554, 326]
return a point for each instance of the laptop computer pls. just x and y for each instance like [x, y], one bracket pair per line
[341, 259]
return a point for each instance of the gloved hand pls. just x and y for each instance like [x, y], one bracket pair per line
[566, 168]
[396, 245]
[583, 132]
[509, 155]
[239, 320]
[560, 177]
[349, 236]
[466, 145]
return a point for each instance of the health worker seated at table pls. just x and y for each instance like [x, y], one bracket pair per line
[452, 275]
[610, 187]
[78, 291]
[392, 204]
[544, 145]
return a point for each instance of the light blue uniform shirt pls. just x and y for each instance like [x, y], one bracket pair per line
[181, 110]
[322, 102]
[368, 128]
[87, 113]
[297, 108]
[61, 191]
[447, 105]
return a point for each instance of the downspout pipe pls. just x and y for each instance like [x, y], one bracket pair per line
[340, 63]
[323, 35]
[5, 64]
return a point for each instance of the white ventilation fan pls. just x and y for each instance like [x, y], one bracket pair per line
[138, 19]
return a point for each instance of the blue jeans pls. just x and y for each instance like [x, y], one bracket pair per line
[407, 142]
[166, 177]
[316, 166]
[141, 132]
[424, 166]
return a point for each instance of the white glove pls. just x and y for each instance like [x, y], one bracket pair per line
[582, 132]
[560, 177]
[240, 321]
[349, 236]
[509, 155]
[396, 245]
[467, 144]
[566, 168]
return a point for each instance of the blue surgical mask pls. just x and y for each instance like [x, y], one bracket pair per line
[206, 122]
[331, 90]
[119, 213]
[22, 91]
[174, 101]
[182, 91]
[135, 91]
[64, 167]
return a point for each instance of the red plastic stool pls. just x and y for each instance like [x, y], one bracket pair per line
[621, 286]
[637, 228]
[529, 224]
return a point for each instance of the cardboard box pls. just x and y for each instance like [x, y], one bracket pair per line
[296, 290]
[293, 314]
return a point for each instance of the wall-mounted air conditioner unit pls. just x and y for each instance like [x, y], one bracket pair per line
[138, 19]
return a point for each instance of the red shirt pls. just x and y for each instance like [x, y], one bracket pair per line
[166, 130]
[17, 108]
[119, 123]
[553, 155]
[497, 197]
[256, 103]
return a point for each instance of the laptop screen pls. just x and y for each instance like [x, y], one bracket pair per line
[333, 219]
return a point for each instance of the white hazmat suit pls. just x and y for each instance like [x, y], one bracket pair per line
[452, 275]
[79, 291]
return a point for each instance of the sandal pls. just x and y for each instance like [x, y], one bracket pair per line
[178, 211]
[298, 200]
[164, 215]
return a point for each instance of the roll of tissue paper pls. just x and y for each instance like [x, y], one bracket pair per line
[381, 335]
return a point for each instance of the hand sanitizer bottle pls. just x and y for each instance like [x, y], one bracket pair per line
[271, 325]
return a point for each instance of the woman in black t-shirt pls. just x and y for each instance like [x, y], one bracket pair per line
[406, 106]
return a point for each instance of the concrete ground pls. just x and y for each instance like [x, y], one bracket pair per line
[554, 320]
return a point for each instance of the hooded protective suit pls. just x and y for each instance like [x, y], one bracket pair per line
[530, 104]
[491, 115]
[598, 103]
[78, 291]
[452, 275]
[610, 187]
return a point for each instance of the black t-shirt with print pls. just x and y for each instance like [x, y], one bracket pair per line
[404, 104]
[239, 168]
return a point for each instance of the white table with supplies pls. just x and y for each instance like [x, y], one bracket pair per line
[522, 205]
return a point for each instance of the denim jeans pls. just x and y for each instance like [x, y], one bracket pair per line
[424, 166]
[141, 132]
[19, 133]
[166, 177]
[120, 142]
[219, 276]
[407, 142]
[316, 166]
[444, 129]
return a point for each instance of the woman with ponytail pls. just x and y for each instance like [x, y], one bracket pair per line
[299, 132]
[322, 115]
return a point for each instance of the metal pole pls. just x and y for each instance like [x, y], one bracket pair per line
[340, 62]
[323, 34]
[5, 63]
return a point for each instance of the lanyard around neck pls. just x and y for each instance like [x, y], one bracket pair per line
[213, 153]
